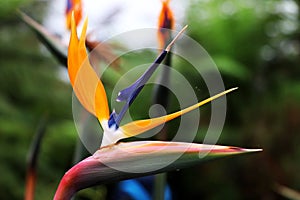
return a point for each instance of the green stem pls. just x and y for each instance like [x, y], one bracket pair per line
[161, 96]
[160, 186]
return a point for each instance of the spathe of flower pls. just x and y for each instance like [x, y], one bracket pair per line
[146, 157]
[76, 7]
[91, 93]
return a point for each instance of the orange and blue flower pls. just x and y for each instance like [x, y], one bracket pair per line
[76, 7]
[91, 93]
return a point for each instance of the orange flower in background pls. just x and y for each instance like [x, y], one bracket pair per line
[165, 21]
[76, 7]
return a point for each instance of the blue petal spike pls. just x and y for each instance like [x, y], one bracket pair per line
[130, 93]
[127, 94]
[112, 120]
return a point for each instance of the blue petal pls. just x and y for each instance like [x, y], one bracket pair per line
[127, 93]
[112, 120]
[130, 93]
[69, 5]
[135, 190]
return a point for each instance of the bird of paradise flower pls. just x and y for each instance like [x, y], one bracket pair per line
[91, 93]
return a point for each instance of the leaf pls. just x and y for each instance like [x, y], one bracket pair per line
[135, 159]
[52, 42]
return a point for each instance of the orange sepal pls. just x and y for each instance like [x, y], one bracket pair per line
[141, 126]
[86, 84]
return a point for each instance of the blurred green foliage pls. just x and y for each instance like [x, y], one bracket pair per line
[29, 88]
[8, 7]
[256, 47]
